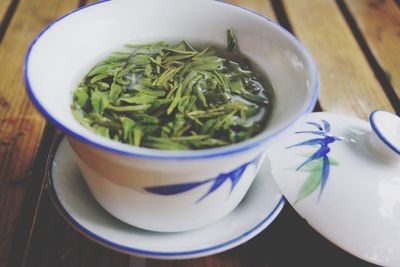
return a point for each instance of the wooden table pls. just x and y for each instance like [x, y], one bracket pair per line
[356, 44]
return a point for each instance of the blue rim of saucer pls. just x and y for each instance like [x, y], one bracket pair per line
[173, 155]
[243, 237]
[375, 128]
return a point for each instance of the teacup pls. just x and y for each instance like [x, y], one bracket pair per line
[153, 189]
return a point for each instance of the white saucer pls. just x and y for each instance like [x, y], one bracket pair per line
[72, 198]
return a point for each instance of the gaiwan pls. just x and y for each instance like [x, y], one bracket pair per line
[175, 97]
[225, 115]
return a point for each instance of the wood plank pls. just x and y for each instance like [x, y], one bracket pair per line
[379, 22]
[348, 84]
[21, 126]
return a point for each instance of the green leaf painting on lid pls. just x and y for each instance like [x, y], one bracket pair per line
[175, 97]
[318, 163]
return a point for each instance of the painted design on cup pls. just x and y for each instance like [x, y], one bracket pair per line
[317, 164]
[214, 183]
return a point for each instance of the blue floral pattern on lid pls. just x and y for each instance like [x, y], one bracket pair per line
[318, 164]
[216, 182]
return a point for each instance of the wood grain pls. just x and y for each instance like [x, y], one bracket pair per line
[348, 84]
[21, 126]
[379, 22]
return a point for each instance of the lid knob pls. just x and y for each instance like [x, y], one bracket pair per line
[385, 135]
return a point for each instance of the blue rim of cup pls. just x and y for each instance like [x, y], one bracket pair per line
[378, 132]
[172, 155]
[243, 237]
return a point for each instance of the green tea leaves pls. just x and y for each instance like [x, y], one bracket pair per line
[81, 97]
[232, 42]
[127, 125]
[99, 101]
[175, 101]
[174, 97]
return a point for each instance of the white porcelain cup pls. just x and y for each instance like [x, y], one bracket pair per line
[153, 189]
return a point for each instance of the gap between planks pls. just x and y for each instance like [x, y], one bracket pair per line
[7, 9]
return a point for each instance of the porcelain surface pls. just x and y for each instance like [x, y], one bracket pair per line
[74, 201]
[141, 185]
[343, 178]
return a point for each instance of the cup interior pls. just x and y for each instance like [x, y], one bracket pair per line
[65, 51]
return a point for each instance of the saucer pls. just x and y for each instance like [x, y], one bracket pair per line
[258, 209]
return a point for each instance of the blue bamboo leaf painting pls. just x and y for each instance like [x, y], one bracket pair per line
[216, 182]
[317, 164]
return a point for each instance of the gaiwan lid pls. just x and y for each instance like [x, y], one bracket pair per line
[342, 175]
